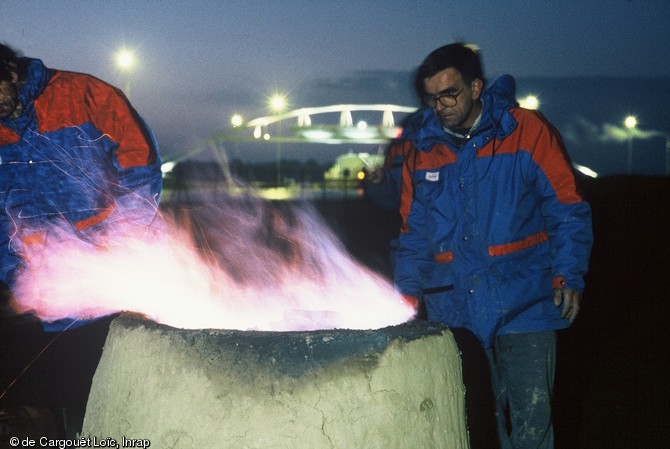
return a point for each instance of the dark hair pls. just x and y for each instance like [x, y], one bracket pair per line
[10, 61]
[462, 57]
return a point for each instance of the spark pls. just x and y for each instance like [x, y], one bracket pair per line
[32, 362]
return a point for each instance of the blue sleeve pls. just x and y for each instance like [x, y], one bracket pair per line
[413, 257]
[567, 216]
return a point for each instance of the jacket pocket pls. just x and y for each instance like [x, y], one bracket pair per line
[519, 245]
[435, 290]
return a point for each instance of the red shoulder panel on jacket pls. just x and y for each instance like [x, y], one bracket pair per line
[438, 156]
[7, 136]
[544, 142]
[61, 105]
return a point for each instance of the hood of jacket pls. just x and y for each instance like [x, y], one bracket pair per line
[35, 82]
[30, 88]
[425, 129]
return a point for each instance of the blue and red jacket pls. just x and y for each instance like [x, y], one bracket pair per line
[489, 227]
[77, 155]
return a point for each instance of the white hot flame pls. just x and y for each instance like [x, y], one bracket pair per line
[246, 266]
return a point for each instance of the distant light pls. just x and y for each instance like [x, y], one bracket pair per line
[275, 193]
[360, 175]
[360, 132]
[278, 102]
[585, 170]
[362, 124]
[167, 167]
[236, 120]
[316, 134]
[266, 136]
[125, 58]
[530, 102]
[630, 122]
[392, 133]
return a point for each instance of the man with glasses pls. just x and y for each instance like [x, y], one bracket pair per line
[495, 238]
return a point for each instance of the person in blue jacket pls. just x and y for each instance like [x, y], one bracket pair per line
[76, 159]
[495, 237]
[73, 153]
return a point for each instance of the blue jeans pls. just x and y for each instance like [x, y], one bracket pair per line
[522, 374]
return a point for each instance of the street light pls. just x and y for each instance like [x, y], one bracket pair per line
[630, 123]
[530, 102]
[125, 59]
[236, 120]
[277, 104]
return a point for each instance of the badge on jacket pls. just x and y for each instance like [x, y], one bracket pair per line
[433, 176]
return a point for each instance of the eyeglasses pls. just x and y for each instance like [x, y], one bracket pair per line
[445, 99]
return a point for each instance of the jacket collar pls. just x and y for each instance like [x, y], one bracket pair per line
[30, 88]
[426, 130]
[35, 83]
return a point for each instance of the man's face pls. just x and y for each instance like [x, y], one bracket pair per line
[459, 105]
[9, 98]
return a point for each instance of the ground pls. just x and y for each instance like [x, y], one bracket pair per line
[610, 387]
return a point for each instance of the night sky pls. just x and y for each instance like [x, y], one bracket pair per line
[199, 62]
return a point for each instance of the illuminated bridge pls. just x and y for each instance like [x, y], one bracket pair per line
[336, 124]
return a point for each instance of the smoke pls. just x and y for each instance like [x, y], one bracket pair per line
[245, 264]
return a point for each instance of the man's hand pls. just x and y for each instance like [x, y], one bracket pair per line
[375, 175]
[570, 300]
